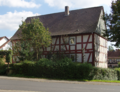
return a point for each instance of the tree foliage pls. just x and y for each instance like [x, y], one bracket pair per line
[8, 55]
[34, 37]
[113, 23]
[110, 48]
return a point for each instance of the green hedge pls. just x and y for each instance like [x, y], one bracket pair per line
[104, 74]
[118, 72]
[8, 55]
[2, 68]
[118, 64]
[65, 69]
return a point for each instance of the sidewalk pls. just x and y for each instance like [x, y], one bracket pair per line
[58, 81]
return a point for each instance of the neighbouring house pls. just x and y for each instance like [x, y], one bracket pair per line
[113, 58]
[78, 33]
[5, 43]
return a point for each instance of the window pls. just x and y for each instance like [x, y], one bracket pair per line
[72, 56]
[72, 41]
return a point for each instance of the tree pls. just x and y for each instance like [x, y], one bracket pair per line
[34, 37]
[113, 23]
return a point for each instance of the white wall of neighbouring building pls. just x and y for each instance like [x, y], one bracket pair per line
[4, 40]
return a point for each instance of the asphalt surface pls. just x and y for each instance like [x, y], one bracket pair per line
[14, 84]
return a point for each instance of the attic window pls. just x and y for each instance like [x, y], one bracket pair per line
[72, 41]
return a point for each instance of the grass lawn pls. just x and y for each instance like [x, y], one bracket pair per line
[107, 81]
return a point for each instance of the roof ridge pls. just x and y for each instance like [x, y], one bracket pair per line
[63, 11]
[85, 20]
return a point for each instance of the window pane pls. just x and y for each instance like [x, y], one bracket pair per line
[72, 40]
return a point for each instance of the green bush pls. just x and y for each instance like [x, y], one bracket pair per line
[8, 55]
[103, 74]
[118, 72]
[1, 61]
[64, 69]
[118, 64]
[2, 67]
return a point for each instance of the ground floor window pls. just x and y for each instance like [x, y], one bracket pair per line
[72, 56]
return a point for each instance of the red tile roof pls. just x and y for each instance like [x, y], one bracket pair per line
[3, 37]
[114, 53]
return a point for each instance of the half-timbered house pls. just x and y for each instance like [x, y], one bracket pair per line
[78, 33]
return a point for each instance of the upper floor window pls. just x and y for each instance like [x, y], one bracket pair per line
[72, 41]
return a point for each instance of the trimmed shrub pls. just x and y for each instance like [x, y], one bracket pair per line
[64, 69]
[118, 72]
[103, 74]
[1, 61]
[2, 67]
[118, 64]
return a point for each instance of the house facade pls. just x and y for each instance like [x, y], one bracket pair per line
[5, 43]
[113, 58]
[77, 33]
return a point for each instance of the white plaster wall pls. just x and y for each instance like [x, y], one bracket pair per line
[102, 65]
[100, 51]
[101, 24]
[53, 40]
[57, 48]
[90, 40]
[79, 57]
[67, 47]
[66, 40]
[87, 56]
[79, 39]
[90, 60]
[89, 46]
[7, 46]
[4, 40]
[85, 38]
[58, 41]
[79, 47]
[72, 47]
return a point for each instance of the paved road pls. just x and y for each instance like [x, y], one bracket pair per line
[41, 85]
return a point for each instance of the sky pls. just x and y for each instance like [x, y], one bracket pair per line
[12, 12]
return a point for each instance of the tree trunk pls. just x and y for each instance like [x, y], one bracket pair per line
[8, 64]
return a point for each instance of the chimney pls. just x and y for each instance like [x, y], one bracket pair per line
[67, 11]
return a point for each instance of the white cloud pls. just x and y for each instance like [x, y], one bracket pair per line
[19, 3]
[11, 21]
[77, 3]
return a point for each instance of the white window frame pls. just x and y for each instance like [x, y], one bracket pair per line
[74, 40]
